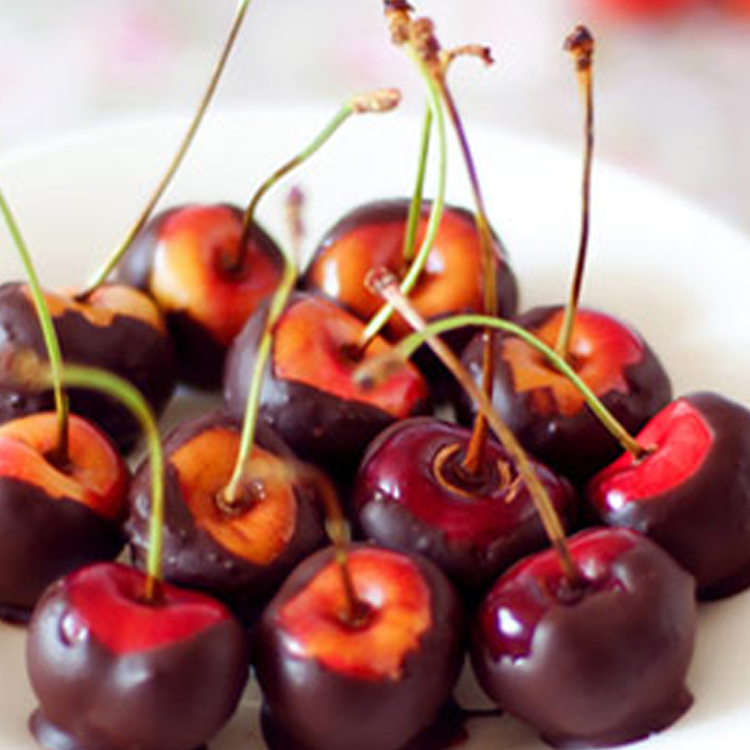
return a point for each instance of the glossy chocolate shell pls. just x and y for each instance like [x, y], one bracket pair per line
[473, 530]
[321, 709]
[192, 557]
[577, 445]
[602, 666]
[128, 347]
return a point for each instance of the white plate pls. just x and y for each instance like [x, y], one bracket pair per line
[677, 273]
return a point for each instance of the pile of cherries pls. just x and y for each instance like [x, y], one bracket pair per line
[238, 527]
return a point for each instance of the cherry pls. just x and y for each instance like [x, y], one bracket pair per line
[544, 408]
[602, 662]
[372, 236]
[117, 328]
[373, 682]
[691, 493]
[644, 9]
[113, 670]
[238, 552]
[310, 396]
[54, 519]
[190, 261]
[414, 493]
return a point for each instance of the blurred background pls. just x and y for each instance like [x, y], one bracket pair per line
[672, 76]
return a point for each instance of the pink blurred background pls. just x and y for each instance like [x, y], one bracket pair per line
[673, 93]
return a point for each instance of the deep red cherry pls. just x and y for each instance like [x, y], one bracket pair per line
[113, 671]
[372, 236]
[190, 261]
[240, 554]
[310, 395]
[692, 493]
[644, 9]
[412, 493]
[595, 664]
[331, 684]
[54, 519]
[117, 329]
[543, 407]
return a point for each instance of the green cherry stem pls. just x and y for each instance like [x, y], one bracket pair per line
[382, 100]
[409, 344]
[580, 43]
[383, 282]
[49, 334]
[382, 316]
[101, 276]
[415, 207]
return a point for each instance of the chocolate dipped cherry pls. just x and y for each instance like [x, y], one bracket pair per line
[310, 395]
[690, 493]
[116, 328]
[372, 236]
[599, 662]
[207, 276]
[413, 492]
[546, 410]
[113, 670]
[238, 552]
[55, 518]
[333, 679]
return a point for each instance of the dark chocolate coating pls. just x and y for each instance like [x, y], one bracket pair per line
[704, 523]
[397, 478]
[577, 445]
[192, 557]
[603, 668]
[172, 697]
[128, 347]
[200, 356]
[43, 538]
[320, 427]
[325, 710]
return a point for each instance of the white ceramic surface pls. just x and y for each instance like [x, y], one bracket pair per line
[677, 273]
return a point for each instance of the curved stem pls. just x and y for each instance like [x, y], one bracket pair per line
[581, 44]
[415, 207]
[407, 346]
[411, 277]
[51, 342]
[131, 398]
[101, 276]
[318, 142]
[384, 283]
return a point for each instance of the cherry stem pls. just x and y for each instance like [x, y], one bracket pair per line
[51, 341]
[415, 207]
[129, 396]
[580, 43]
[408, 345]
[383, 315]
[337, 529]
[101, 276]
[382, 100]
[383, 282]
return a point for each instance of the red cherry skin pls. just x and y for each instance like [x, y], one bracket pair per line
[545, 410]
[644, 10]
[184, 258]
[596, 665]
[309, 396]
[412, 495]
[112, 672]
[329, 685]
[52, 519]
[692, 494]
[240, 557]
